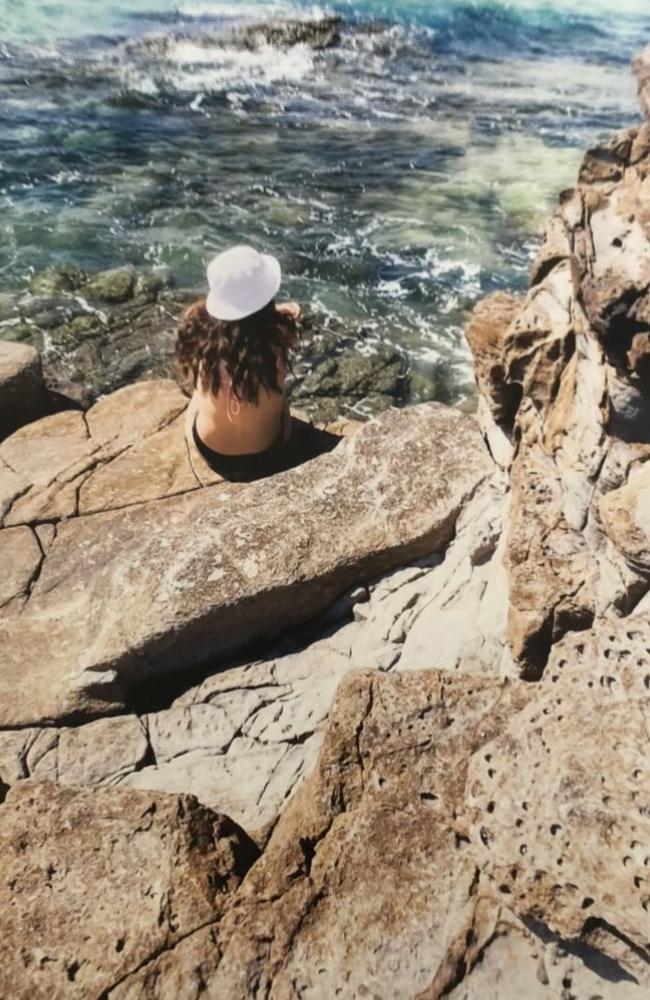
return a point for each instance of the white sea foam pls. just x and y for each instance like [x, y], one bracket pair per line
[196, 69]
[245, 11]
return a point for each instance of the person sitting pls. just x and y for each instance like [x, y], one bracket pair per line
[235, 348]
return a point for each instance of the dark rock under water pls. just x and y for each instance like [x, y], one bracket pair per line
[98, 331]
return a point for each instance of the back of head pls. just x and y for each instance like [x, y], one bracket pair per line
[248, 351]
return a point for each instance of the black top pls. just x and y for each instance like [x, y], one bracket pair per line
[303, 443]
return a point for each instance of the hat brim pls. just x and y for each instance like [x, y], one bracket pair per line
[266, 290]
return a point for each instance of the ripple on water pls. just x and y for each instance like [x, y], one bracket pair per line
[399, 176]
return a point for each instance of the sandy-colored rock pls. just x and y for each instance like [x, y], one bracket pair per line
[23, 396]
[487, 336]
[135, 412]
[98, 885]
[21, 559]
[561, 799]
[367, 883]
[525, 959]
[576, 352]
[14, 747]
[44, 451]
[73, 463]
[155, 468]
[164, 586]
[552, 576]
[642, 71]
[99, 753]
[12, 486]
[244, 739]
[625, 513]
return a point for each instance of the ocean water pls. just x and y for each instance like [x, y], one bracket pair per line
[399, 176]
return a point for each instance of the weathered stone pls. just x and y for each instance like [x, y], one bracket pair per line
[625, 513]
[115, 285]
[73, 463]
[552, 574]
[525, 959]
[14, 748]
[99, 884]
[459, 620]
[12, 486]
[56, 279]
[21, 557]
[44, 451]
[540, 340]
[642, 71]
[638, 356]
[554, 249]
[237, 781]
[455, 606]
[167, 585]
[100, 753]
[487, 336]
[561, 797]
[575, 354]
[23, 396]
[366, 882]
[155, 468]
[135, 412]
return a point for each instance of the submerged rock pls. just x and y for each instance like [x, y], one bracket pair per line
[316, 33]
[319, 33]
[56, 279]
[111, 286]
[351, 382]
[99, 331]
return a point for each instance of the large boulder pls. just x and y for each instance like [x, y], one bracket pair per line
[574, 361]
[99, 888]
[419, 857]
[128, 590]
[368, 881]
[244, 738]
[23, 396]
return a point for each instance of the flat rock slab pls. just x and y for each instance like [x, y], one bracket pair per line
[168, 585]
[100, 885]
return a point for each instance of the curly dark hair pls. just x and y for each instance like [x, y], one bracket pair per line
[250, 349]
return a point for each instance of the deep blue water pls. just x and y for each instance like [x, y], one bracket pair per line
[399, 176]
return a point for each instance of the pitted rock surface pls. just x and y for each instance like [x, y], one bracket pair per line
[446, 829]
[139, 873]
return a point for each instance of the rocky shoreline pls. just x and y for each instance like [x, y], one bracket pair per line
[429, 777]
[100, 331]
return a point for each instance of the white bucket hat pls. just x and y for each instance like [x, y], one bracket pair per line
[242, 281]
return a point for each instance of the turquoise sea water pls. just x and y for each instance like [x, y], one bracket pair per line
[399, 176]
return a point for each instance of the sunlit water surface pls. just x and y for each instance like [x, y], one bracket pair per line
[399, 176]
